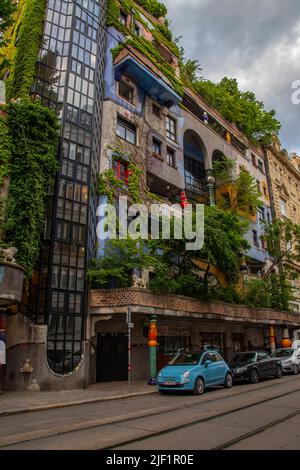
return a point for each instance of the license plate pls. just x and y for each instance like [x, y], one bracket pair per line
[169, 382]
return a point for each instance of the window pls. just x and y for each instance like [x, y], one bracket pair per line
[126, 91]
[262, 356]
[123, 18]
[156, 146]
[255, 238]
[283, 208]
[261, 166]
[269, 217]
[137, 29]
[262, 216]
[253, 160]
[156, 110]
[265, 190]
[126, 130]
[171, 128]
[194, 175]
[258, 185]
[171, 160]
[121, 170]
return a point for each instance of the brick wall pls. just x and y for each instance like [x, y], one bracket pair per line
[100, 298]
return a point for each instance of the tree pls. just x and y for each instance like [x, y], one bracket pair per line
[283, 245]
[238, 192]
[176, 269]
[7, 9]
[240, 107]
[223, 245]
[120, 259]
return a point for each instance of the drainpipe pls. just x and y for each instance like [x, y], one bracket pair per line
[152, 343]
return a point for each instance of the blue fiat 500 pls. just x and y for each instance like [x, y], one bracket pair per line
[194, 371]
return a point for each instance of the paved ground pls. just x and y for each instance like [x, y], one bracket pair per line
[266, 415]
[12, 402]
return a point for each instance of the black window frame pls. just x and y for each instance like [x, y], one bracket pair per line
[171, 128]
[156, 145]
[156, 110]
[130, 89]
[171, 157]
[128, 127]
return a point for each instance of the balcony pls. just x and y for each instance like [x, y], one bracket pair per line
[157, 88]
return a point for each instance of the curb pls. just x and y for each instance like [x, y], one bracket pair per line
[73, 403]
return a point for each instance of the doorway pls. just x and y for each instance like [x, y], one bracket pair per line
[112, 357]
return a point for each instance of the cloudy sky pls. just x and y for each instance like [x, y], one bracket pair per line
[255, 41]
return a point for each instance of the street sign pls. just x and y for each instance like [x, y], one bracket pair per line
[130, 325]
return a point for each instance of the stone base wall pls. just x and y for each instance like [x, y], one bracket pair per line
[26, 340]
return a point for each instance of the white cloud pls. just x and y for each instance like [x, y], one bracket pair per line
[255, 41]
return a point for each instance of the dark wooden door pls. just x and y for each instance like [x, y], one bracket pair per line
[112, 357]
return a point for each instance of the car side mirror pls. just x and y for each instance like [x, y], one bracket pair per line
[206, 364]
[298, 357]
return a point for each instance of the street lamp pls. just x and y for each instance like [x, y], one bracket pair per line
[210, 182]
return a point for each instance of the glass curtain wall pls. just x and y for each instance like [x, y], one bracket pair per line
[70, 80]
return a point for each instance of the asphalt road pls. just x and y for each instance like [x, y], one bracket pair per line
[262, 416]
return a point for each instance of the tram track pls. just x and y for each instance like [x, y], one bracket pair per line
[215, 417]
[134, 418]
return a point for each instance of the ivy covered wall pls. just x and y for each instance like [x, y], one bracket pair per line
[159, 31]
[22, 48]
[33, 132]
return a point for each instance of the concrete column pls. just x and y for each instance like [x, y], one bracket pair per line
[2, 346]
[152, 343]
[272, 339]
[228, 345]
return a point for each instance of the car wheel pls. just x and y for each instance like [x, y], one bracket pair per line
[254, 376]
[199, 386]
[278, 372]
[228, 380]
[295, 369]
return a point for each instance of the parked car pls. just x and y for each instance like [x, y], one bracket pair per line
[253, 366]
[289, 358]
[194, 371]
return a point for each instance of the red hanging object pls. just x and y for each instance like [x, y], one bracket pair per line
[183, 200]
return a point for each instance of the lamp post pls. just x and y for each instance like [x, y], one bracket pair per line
[210, 183]
[152, 343]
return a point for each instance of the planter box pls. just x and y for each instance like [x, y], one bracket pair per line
[11, 284]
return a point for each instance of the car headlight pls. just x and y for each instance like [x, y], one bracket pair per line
[239, 370]
[287, 362]
[186, 377]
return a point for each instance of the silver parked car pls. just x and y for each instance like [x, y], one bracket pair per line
[289, 358]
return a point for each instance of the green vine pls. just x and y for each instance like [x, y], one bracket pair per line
[34, 132]
[24, 44]
[149, 51]
[160, 33]
[5, 150]
[108, 184]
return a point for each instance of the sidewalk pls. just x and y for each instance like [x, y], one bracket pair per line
[26, 402]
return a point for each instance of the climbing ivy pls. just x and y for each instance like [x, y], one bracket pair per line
[148, 50]
[5, 149]
[160, 33]
[33, 130]
[24, 44]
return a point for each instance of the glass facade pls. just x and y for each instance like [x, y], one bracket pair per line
[70, 80]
